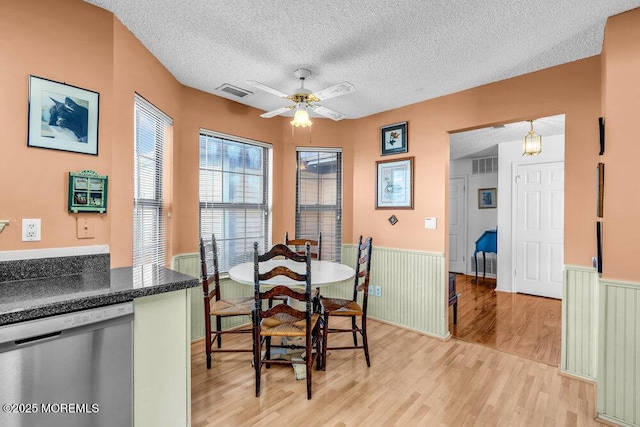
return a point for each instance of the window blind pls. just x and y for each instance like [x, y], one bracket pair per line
[234, 195]
[319, 198]
[152, 135]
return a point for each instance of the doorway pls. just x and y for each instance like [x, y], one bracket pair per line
[498, 150]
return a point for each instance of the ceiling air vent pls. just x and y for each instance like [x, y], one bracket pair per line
[232, 90]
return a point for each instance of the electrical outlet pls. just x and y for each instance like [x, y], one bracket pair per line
[31, 230]
[371, 290]
[378, 291]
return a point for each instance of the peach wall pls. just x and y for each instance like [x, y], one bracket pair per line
[202, 110]
[573, 89]
[68, 42]
[621, 110]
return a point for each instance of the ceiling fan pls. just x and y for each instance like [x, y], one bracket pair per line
[304, 99]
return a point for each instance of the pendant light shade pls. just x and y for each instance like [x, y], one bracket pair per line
[532, 143]
[301, 118]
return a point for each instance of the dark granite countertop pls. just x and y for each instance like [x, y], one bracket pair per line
[34, 298]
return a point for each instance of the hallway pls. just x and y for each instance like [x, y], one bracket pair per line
[524, 325]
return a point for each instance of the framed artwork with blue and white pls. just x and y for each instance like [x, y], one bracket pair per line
[487, 198]
[62, 117]
[394, 139]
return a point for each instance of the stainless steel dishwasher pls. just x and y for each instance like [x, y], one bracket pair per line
[74, 369]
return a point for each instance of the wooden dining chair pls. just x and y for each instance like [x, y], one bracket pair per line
[337, 307]
[299, 242]
[215, 306]
[283, 320]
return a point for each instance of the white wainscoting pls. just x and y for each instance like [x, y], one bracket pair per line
[580, 322]
[619, 356]
[412, 286]
[190, 264]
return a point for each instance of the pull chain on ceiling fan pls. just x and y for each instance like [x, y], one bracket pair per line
[305, 100]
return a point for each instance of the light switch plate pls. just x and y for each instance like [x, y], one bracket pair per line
[430, 223]
[85, 228]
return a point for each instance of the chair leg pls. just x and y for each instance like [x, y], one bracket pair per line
[354, 328]
[207, 343]
[267, 352]
[365, 342]
[325, 333]
[257, 350]
[218, 329]
[320, 345]
[308, 364]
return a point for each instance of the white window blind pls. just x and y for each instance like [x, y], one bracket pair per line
[234, 195]
[152, 135]
[319, 198]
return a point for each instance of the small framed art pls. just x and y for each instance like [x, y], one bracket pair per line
[62, 117]
[600, 190]
[394, 139]
[487, 198]
[87, 192]
[394, 184]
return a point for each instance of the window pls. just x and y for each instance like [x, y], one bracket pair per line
[152, 133]
[234, 195]
[319, 198]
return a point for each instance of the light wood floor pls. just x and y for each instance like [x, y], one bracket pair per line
[414, 380]
[525, 325]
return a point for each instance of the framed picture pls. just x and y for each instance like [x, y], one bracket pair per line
[87, 192]
[487, 198]
[394, 139]
[600, 190]
[394, 184]
[62, 117]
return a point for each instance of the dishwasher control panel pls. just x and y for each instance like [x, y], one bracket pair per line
[24, 332]
[100, 314]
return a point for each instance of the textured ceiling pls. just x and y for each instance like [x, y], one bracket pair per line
[395, 52]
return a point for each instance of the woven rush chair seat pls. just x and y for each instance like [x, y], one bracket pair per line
[341, 307]
[233, 307]
[282, 324]
[216, 307]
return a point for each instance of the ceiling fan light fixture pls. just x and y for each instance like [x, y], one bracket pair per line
[301, 118]
[532, 144]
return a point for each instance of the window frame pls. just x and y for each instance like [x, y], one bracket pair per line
[319, 208]
[225, 207]
[163, 129]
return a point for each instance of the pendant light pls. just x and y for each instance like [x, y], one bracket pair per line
[532, 144]
[301, 118]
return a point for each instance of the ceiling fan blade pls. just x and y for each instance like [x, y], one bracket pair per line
[274, 113]
[266, 88]
[327, 112]
[333, 91]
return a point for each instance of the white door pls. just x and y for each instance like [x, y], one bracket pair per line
[539, 226]
[457, 224]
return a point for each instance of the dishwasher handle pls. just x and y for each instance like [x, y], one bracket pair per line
[38, 338]
[47, 328]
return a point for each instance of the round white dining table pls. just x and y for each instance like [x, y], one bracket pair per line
[323, 273]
